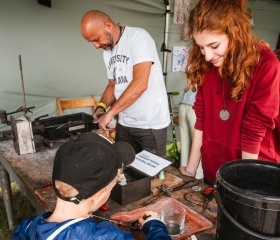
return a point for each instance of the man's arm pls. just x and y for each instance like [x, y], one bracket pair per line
[135, 89]
[108, 96]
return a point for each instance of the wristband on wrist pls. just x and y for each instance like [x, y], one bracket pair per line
[103, 105]
[104, 110]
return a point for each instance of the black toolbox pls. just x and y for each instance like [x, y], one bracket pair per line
[139, 187]
[138, 184]
[64, 126]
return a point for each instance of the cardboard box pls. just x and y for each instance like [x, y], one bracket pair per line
[138, 188]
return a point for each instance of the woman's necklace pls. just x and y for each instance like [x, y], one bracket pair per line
[224, 114]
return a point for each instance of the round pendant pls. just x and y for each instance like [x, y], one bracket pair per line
[224, 115]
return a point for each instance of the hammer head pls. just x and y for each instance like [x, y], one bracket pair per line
[165, 189]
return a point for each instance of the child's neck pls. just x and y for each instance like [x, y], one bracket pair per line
[66, 210]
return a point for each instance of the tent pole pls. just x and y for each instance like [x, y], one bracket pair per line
[164, 48]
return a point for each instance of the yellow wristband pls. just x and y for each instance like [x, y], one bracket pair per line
[103, 105]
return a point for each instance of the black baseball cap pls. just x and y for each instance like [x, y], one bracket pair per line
[89, 163]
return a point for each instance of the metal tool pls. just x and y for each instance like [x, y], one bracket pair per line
[22, 86]
[22, 127]
[163, 190]
[208, 194]
[134, 225]
[166, 190]
[113, 221]
[173, 151]
[4, 114]
[188, 184]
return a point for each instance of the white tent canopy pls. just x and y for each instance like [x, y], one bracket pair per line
[58, 62]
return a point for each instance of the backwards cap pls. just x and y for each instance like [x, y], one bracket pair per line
[89, 163]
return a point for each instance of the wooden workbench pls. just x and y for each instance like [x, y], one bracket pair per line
[32, 172]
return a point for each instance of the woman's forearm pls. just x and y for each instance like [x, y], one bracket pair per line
[195, 154]
[246, 155]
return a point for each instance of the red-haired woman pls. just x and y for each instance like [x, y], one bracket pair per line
[238, 75]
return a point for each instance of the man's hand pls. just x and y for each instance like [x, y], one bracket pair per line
[97, 114]
[104, 121]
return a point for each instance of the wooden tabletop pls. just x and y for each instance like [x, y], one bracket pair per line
[33, 172]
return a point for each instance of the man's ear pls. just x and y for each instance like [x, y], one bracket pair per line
[108, 26]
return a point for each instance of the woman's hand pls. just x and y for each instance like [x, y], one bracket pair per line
[184, 171]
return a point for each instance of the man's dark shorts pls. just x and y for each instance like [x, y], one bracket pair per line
[152, 140]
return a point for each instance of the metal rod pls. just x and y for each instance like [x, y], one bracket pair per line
[134, 225]
[22, 85]
[165, 43]
[113, 221]
[20, 110]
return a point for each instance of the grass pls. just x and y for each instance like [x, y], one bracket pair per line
[22, 208]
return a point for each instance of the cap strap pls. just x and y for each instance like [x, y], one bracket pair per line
[77, 199]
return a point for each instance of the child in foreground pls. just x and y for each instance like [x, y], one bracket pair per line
[84, 172]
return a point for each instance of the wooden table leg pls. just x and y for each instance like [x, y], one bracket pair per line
[7, 195]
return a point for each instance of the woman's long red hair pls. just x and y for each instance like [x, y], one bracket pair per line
[224, 17]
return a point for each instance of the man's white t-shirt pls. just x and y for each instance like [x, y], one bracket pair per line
[151, 109]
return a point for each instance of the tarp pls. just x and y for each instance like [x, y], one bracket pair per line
[58, 62]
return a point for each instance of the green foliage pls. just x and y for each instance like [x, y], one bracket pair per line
[172, 152]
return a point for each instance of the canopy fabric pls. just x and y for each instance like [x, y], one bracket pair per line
[58, 62]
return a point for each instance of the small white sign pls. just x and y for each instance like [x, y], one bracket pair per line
[149, 163]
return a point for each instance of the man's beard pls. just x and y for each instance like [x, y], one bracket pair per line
[110, 44]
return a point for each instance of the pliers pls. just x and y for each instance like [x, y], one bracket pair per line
[208, 194]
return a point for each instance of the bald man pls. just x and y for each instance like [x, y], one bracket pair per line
[136, 91]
